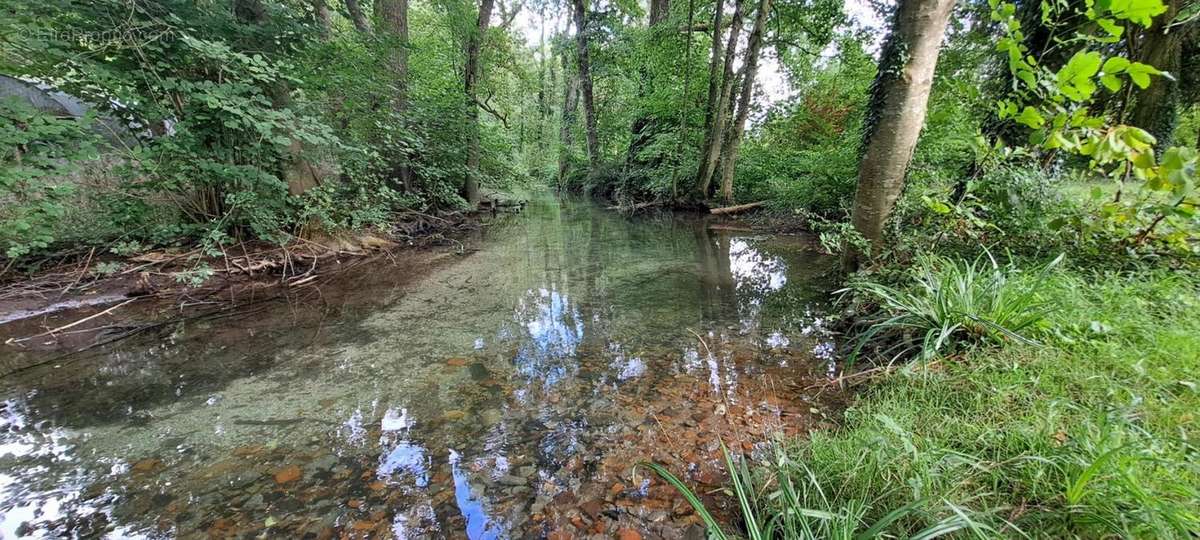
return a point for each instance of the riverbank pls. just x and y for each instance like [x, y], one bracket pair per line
[70, 300]
[1089, 433]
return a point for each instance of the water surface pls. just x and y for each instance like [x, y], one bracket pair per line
[506, 394]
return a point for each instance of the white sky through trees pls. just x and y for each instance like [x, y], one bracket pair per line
[772, 81]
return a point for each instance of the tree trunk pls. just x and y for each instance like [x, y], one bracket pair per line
[295, 170]
[470, 87]
[729, 152]
[585, 80]
[718, 114]
[393, 18]
[321, 13]
[896, 114]
[566, 133]
[659, 10]
[1156, 107]
[357, 17]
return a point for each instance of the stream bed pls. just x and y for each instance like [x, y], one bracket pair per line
[508, 393]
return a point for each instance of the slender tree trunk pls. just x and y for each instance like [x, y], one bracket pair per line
[585, 80]
[713, 140]
[659, 11]
[729, 152]
[713, 102]
[896, 114]
[393, 19]
[685, 102]
[1156, 107]
[321, 13]
[357, 17]
[567, 124]
[470, 86]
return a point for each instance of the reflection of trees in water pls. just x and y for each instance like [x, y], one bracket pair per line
[735, 277]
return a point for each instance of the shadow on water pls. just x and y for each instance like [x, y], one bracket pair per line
[505, 395]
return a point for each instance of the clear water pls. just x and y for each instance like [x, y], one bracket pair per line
[507, 393]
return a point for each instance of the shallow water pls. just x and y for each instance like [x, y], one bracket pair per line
[506, 394]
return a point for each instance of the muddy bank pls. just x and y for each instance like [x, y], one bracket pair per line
[93, 299]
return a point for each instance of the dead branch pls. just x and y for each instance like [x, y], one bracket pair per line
[737, 208]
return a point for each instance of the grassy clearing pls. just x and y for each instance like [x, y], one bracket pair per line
[1089, 434]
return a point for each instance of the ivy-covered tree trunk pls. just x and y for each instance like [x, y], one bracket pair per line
[733, 141]
[585, 82]
[1155, 108]
[717, 115]
[321, 13]
[356, 16]
[393, 17]
[896, 114]
[471, 87]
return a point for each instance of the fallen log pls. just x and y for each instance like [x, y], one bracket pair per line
[636, 207]
[737, 208]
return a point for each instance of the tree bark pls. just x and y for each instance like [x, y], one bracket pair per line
[713, 101]
[357, 17]
[585, 80]
[659, 10]
[1155, 108]
[393, 18]
[471, 87]
[718, 114]
[321, 13]
[896, 114]
[733, 141]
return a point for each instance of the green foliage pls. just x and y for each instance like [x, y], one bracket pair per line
[1057, 107]
[950, 306]
[38, 151]
[1089, 435]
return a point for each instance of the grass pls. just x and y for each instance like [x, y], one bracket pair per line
[953, 304]
[1092, 434]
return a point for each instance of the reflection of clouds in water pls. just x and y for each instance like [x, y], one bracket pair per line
[755, 276]
[35, 493]
[480, 525]
[554, 328]
[751, 270]
[625, 367]
[404, 455]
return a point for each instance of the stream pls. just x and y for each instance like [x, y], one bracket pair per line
[507, 393]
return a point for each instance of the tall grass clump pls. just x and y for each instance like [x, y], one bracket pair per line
[951, 305]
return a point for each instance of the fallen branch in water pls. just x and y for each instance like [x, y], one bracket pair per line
[737, 208]
[636, 207]
[74, 324]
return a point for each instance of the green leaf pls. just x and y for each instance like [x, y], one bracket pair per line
[1032, 118]
[1140, 73]
[1138, 11]
[1075, 78]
